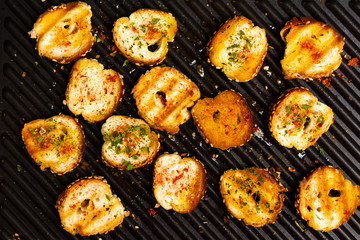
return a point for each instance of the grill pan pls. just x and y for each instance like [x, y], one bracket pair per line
[33, 87]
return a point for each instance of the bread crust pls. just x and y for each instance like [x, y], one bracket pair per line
[179, 183]
[252, 195]
[325, 199]
[313, 49]
[129, 143]
[297, 119]
[163, 96]
[143, 29]
[238, 48]
[57, 143]
[88, 207]
[224, 121]
[63, 32]
[92, 91]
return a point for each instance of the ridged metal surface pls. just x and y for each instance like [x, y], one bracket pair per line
[33, 87]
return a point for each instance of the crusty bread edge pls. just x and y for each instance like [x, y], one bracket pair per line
[201, 131]
[118, 100]
[173, 129]
[64, 195]
[79, 126]
[203, 190]
[274, 107]
[33, 34]
[208, 48]
[133, 59]
[267, 175]
[303, 183]
[303, 21]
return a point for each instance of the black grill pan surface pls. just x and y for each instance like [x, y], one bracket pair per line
[33, 87]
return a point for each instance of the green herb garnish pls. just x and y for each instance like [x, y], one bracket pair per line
[288, 109]
[305, 106]
[233, 46]
[129, 166]
[155, 20]
[125, 62]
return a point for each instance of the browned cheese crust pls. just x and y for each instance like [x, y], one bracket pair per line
[297, 119]
[326, 199]
[163, 96]
[129, 143]
[224, 121]
[313, 49]
[63, 32]
[143, 37]
[252, 195]
[92, 91]
[88, 207]
[238, 48]
[57, 143]
[179, 183]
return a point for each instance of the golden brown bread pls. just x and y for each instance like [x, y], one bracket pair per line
[163, 96]
[179, 183]
[297, 119]
[326, 199]
[63, 32]
[252, 195]
[88, 207]
[57, 143]
[224, 121]
[92, 91]
[129, 143]
[143, 37]
[238, 48]
[313, 49]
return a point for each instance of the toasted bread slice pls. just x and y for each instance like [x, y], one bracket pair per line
[129, 143]
[88, 207]
[57, 143]
[92, 91]
[297, 119]
[313, 49]
[224, 121]
[326, 199]
[143, 37]
[238, 48]
[63, 32]
[252, 195]
[163, 95]
[179, 183]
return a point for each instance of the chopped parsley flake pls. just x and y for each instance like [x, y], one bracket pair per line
[129, 165]
[125, 62]
[233, 46]
[288, 109]
[155, 20]
[305, 106]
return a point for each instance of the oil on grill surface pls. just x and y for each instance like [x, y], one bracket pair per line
[33, 87]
